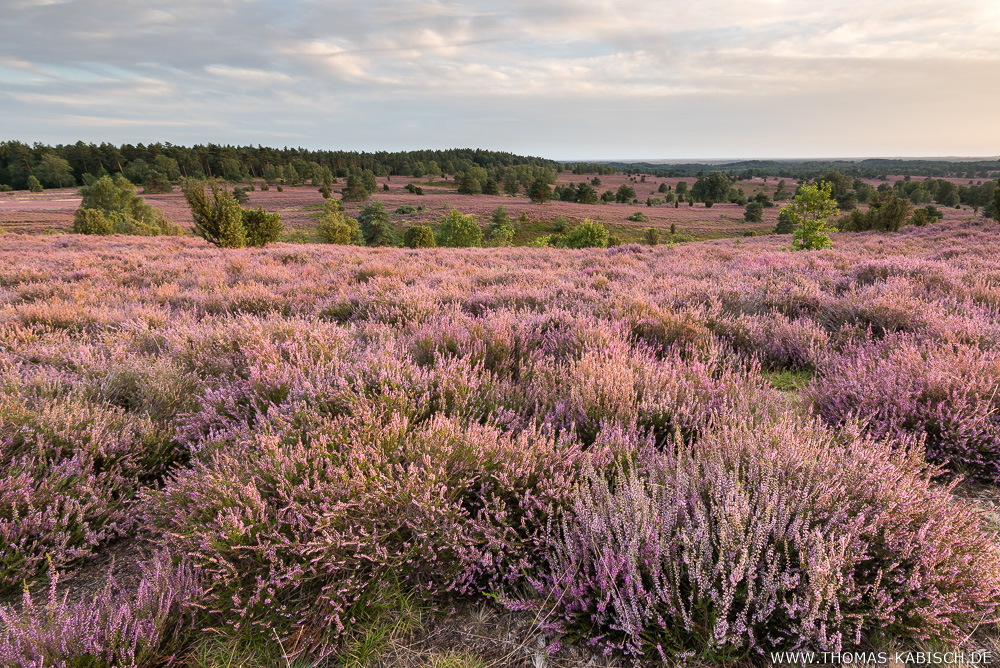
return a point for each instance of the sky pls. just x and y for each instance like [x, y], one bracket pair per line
[568, 80]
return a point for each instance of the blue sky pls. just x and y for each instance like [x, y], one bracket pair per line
[569, 80]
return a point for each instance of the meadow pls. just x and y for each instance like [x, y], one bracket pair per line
[321, 455]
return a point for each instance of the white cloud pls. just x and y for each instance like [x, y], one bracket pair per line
[395, 73]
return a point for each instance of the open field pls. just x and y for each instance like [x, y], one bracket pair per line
[53, 209]
[647, 451]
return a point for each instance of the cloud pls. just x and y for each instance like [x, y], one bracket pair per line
[568, 78]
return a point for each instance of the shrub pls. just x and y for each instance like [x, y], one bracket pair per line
[673, 229]
[502, 236]
[637, 217]
[419, 236]
[405, 210]
[901, 387]
[560, 225]
[336, 228]
[114, 200]
[116, 626]
[261, 227]
[218, 220]
[376, 227]
[325, 191]
[34, 185]
[652, 236]
[459, 231]
[754, 212]
[92, 221]
[349, 515]
[614, 241]
[768, 537]
[587, 235]
[279, 188]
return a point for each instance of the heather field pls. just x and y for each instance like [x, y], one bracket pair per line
[52, 210]
[318, 455]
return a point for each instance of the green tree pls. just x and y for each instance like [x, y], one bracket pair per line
[469, 185]
[754, 212]
[652, 235]
[459, 231]
[219, 219]
[539, 191]
[811, 208]
[624, 194]
[355, 190]
[510, 184]
[681, 189]
[375, 225]
[156, 182]
[585, 194]
[261, 227]
[122, 211]
[34, 185]
[419, 236]
[55, 172]
[336, 228]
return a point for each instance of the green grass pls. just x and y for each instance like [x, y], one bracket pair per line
[789, 381]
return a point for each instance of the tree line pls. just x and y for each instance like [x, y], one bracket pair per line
[36, 166]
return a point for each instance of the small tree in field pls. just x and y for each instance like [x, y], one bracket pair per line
[540, 191]
[376, 226]
[34, 185]
[221, 220]
[809, 211]
[754, 212]
[419, 236]
[459, 231]
[587, 235]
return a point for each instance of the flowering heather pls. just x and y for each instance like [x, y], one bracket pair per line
[317, 427]
[114, 628]
[948, 394]
[768, 538]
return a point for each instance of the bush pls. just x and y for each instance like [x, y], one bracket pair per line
[673, 229]
[905, 387]
[637, 217]
[587, 235]
[261, 227]
[279, 188]
[110, 203]
[405, 210]
[325, 191]
[223, 222]
[349, 512]
[614, 241]
[768, 537]
[501, 236]
[116, 626]
[652, 236]
[92, 221]
[419, 236]
[34, 185]
[459, 231]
